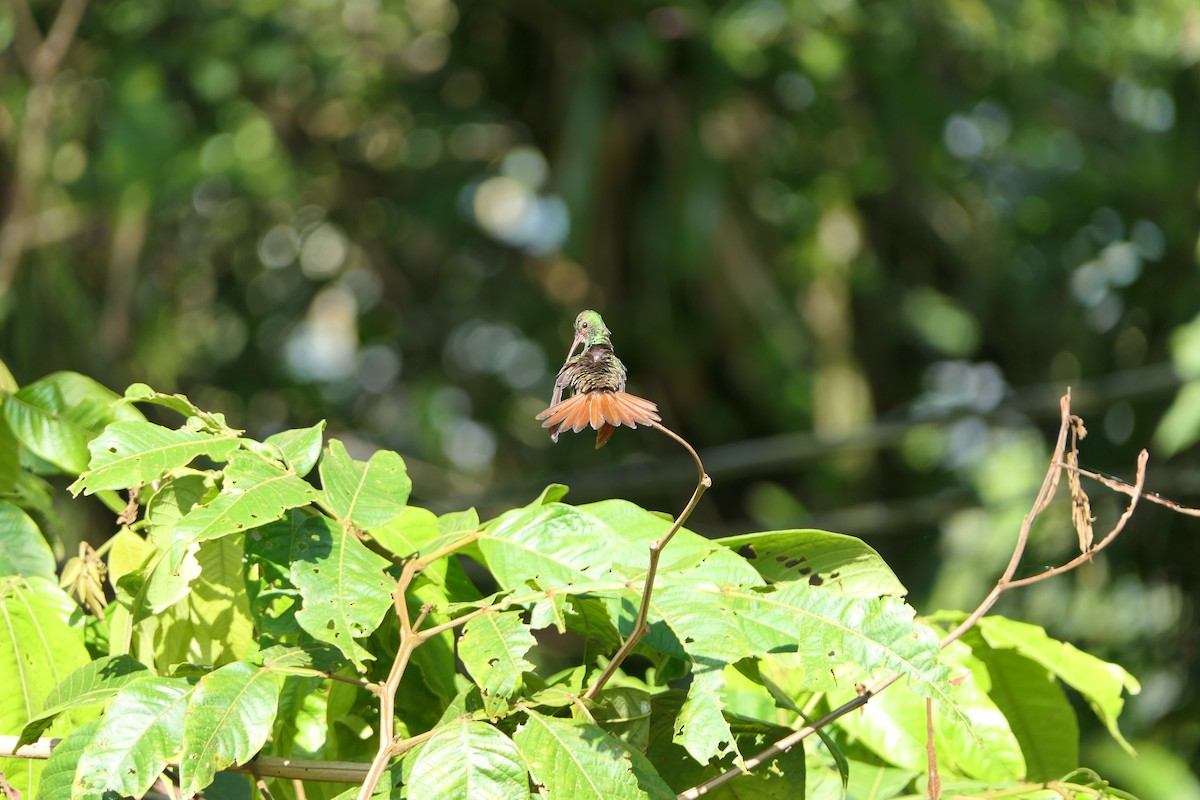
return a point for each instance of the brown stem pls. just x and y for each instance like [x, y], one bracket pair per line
[934, 788]
[387, 692]
[656, 548]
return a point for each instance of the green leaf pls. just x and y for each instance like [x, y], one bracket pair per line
[23, 549]
[1035, 706]
[344, 587]
[10, 457]
[140, 734]
[57, 416]
[579, 760]
[367, 494]
[893, 726]
[411, 532]
[469, 760]
[701, 728]
[59, 772]
[211, 624]
[493, 648]
[229, 716]
[833, 560]
[301, 447]
[254, 493]
[458, 522]
[38, 649]
[1179, 427]
[180, 404]
[94, 681]
[1100, 682]
[131, 453]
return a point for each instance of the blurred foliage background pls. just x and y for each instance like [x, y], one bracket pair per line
[855, 250]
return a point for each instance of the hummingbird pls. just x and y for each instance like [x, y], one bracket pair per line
[596, 378]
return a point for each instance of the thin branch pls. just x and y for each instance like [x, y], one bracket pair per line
[1118, 485]
[934, 787]
[656, 548]
[387, 693]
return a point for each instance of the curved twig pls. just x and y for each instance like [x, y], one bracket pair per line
[656, 548]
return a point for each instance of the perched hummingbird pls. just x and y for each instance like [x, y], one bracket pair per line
[596, 378]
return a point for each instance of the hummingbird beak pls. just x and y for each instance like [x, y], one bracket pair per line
[578, 341]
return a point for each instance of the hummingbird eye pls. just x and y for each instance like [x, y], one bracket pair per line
[583, 325]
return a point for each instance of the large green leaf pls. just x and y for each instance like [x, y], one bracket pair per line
[57, 416]
[23, 549]
[135, 452]
[1035, 706]
[833, 560]
[469, 760]
[38, 649]
[300, 447]
[368, 494]
[255, 492]
[344, 587]
[94, 681]
[1100, 682]
[577, 759]
[493, 648]
[141, 732]
[229, 716]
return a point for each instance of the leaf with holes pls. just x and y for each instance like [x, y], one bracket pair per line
[468, 760]
[493, 648]
[368, 494]
[134, 452]
[140, 734]
[834, 560]
[57, 416]
[344, 587]
[254, 493]
[580, 760]
[229, 716]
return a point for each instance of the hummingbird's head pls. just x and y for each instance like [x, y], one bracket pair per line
[589, 330]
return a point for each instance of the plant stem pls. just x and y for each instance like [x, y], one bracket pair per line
[656, 548]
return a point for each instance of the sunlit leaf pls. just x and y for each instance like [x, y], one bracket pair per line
[300, 447]
[343, 584]
[367, 494]
[493, 648]
[834, 560]
[58, 415]
[94, 681]
[469, 760]
[134, 452]
[38, 650]
[229, 716]
[23, 549]
[140, 733]
[1100, 682]
[579, 760]
[254, 493]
